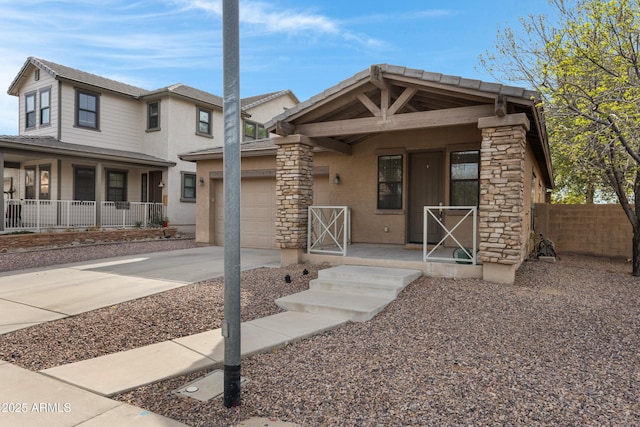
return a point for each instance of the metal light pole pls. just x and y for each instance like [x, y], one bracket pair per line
[231, 154]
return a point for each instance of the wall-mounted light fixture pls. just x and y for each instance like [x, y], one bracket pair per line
[336, 179]
[161, 185]
[201, 181]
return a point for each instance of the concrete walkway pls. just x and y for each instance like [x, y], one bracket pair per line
[33, 296]
[76, 394]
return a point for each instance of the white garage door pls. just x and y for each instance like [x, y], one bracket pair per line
[258, 210]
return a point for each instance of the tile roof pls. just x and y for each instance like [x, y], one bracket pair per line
[262, 146]
[426, 76]
[254, 101]
[188, 92]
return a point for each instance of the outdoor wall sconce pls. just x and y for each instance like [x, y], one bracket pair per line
[201, 181]
[161, 185]
[336, 179]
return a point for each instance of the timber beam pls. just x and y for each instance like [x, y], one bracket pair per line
[418, 120]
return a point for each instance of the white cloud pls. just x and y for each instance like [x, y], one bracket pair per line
[291, 22]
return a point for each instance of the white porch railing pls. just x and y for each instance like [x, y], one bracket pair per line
[74, 214]
[467, 255]
[329, 230]
[132, 214]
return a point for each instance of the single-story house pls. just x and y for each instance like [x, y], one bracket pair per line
[397, 158]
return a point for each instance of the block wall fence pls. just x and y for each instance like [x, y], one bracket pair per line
[599, 230]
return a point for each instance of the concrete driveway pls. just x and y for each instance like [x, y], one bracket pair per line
[29, 297]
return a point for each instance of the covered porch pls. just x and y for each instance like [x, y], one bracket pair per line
[50, 184]
[408, 153]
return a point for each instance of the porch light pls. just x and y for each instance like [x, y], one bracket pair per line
[161, 185]
[336, 179]
[201, 181]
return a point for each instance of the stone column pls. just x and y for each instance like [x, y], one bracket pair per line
[294, 195]
[501, 212]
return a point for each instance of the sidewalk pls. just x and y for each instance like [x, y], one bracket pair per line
[29, 297]
[74, 394]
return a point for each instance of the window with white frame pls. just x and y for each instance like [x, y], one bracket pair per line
[30, 110]
[188, 187]
[204, 122]
[87, 109]
[45, 106]
[465, 173]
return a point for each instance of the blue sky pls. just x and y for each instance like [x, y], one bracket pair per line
[305, 46]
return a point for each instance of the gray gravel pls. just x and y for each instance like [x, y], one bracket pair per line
[559, 347]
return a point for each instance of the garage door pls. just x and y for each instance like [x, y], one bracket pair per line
[257, 213]
[258, 210]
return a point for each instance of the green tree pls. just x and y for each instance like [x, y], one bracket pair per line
[584, 61]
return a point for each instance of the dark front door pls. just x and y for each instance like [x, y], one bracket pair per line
[425, 189]
[155, 191]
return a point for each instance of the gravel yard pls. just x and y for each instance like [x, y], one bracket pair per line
[559, 347]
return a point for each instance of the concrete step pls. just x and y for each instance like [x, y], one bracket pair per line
[355, 307]
[357, 288]
[371, 275]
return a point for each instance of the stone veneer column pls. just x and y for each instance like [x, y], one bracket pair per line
[501, 212]
[294, 195]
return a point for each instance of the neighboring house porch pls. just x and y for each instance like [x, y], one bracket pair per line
[49, 184]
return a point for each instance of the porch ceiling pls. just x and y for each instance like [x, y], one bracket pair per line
[389, 98]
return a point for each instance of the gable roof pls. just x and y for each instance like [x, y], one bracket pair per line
[353, 110]
[254, 101]
[74, 76]
[49, 144]
[436, 80]
[62, 72]
[187, 92]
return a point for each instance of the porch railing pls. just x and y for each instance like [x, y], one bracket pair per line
[75, 214]
[460, 253]
[329, 230]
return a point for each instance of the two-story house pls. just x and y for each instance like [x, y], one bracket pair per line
[92, 151]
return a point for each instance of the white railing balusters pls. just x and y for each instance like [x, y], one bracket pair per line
[75, 214]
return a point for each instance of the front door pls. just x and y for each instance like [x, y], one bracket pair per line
[425, 189]
[155, 190]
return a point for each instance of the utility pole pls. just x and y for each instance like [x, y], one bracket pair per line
[231, 155]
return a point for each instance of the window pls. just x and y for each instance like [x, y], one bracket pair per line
[253, 131]
[87, 110]
[30, 110]
[45, 106]
[30, 183]
[465, 169]
[204, 121]
[84, 183]
[390, 182]
[44, 184]
[188, 186]
[116, 186]
[153, 115]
